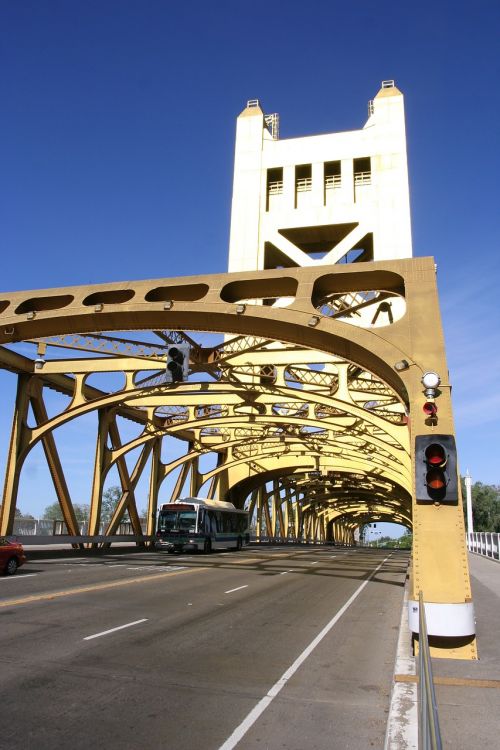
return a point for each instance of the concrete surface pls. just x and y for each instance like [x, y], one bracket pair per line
[469, 710]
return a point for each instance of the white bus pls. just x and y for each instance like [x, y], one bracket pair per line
[193, 523]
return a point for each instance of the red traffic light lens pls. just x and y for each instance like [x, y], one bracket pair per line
[430, 408]
[435, 455]
[435, 479]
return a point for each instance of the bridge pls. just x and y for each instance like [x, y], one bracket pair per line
[317, 388]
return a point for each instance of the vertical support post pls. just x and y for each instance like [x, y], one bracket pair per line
[195, 477]
[100, 464]
[260, 500]
[274, 505]
[19, 437]
[284, 514]
[154, 486]
[267, 515]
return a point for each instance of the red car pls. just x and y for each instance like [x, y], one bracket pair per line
[11, 556]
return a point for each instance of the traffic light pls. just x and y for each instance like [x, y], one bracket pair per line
[178, 362]
[436, 479]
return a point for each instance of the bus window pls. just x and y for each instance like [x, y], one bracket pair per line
[202, 520]
[212, 522]
[187, 520]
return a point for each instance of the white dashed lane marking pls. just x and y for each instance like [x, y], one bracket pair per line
[113, 630]
[236, 589]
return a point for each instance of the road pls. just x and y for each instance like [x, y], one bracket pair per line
[264, 648]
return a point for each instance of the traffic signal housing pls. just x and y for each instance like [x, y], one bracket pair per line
[178, 362]
[436, 478]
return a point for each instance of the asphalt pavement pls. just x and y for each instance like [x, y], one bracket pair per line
[265, 648]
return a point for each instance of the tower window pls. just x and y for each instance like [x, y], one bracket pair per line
[363, 171]
[333, 178]
[274, 183]
[303, 178]
[303, 184]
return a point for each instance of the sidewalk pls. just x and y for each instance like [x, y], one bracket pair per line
[469, 702]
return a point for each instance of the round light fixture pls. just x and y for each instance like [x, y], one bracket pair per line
[430, 379]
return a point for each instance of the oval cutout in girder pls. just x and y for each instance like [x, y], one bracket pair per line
[180, 293]
[359, 281]
[43, 304]
[111, 297]
[249, 289]
[4, 303]
[250, 409]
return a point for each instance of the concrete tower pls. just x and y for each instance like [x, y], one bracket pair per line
[321, 199]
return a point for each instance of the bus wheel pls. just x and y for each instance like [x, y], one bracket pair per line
[239, 544]
[207, 547]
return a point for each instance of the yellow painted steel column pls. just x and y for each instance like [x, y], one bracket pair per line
[100, 468]
[154, 486]
[195, 477]
[19, 437]
[260, 502]
[274, 508]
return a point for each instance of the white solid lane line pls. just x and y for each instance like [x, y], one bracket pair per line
[113, 630]
[238, 589]
[19, 577]
[261, 706]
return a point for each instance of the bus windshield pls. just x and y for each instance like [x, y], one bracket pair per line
[171, 520]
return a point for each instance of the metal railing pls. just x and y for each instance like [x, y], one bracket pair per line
[486, 543]
[428, 728]
[304, 184]
[333, 181]
[275, 188]
[262, 539]
[50, 527]
[362, 178]
[273, 125]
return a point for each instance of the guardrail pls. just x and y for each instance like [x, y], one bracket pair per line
[289, 540]
[428, 725]
[49, 527]
[485, 543]
[58, 539]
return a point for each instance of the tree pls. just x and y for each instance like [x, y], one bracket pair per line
[54, 512]
[110, 499]
[406, 540]
[485, 506]
[20, 514]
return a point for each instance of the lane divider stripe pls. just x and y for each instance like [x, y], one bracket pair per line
[95, 587]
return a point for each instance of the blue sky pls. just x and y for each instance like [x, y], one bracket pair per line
[119, 115]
